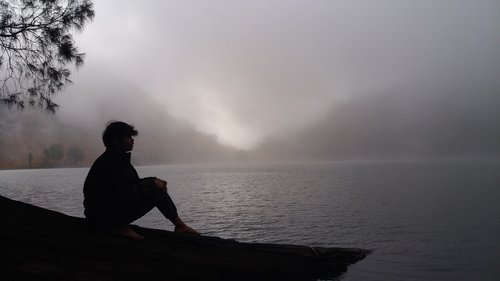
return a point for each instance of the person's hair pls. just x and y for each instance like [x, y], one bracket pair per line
[115, 131]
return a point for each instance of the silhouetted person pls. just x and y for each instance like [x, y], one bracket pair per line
[115, 196]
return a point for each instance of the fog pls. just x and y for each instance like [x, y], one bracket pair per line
[288, 79]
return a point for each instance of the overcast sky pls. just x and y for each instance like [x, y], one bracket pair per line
[246, 70]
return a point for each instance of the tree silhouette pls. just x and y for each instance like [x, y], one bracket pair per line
[36, 45]
[54, 154]
[74, 155]
[30, 159]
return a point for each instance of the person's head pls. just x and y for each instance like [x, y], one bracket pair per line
[119, 135]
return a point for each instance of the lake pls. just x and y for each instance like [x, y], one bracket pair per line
[426, 220]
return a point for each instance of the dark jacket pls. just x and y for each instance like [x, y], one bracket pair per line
[110, 187]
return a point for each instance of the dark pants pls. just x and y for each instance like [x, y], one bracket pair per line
[145, 199]
[132, 204]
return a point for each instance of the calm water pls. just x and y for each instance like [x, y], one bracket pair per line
[435, 220]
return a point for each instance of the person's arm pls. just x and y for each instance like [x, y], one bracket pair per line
[159, 183]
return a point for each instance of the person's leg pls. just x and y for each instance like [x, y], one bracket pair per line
[145, 199]
[152, 195]
[164, 203]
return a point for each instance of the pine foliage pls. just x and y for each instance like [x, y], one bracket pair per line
[36, 47]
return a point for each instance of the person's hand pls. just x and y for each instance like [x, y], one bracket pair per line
[160, 184]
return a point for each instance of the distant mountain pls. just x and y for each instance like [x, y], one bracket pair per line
[427, 124]
[162, 138]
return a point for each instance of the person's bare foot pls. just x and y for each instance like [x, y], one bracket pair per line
[127, 232]
[181, 227]
[185, 229]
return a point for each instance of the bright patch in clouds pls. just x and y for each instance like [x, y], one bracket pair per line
[204, 108]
